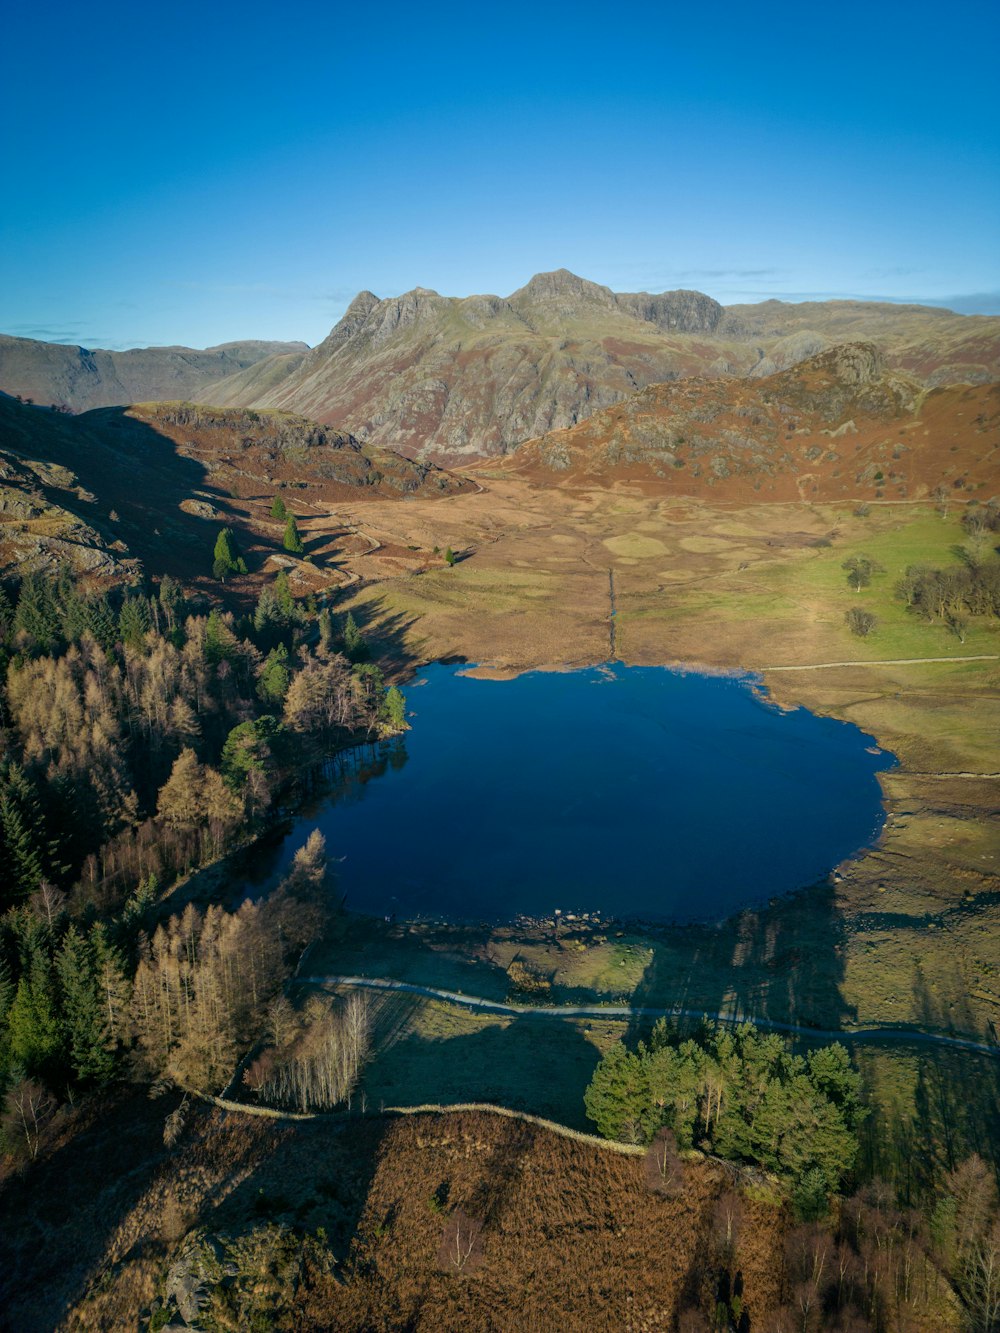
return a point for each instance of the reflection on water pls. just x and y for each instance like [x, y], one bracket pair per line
[632, 791]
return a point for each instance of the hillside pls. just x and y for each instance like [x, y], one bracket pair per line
[159, 480]
[450, 378]
[80, 379]
[375, 1198]
[839, 425]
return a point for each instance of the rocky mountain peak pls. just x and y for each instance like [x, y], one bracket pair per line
[563, 287]
[361, 305]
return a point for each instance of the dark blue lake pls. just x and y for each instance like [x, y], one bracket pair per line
[633, 791]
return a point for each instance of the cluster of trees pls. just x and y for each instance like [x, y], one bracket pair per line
[182, 998]
[950, 596]
[740, 1094]
[315, 1055]
[876, 1266]
[953, 595]
[204, 979]
[141, 735]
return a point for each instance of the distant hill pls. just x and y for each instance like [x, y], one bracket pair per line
[74, 377]
[840, 425]
[450, 378]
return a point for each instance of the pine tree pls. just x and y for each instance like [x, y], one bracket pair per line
[19, 850]
[33, 1022]
[292, 541]
[325, 624]
[26, 849]
[6, 1000]
[102, 623]
[354, 641]
[227, 558]
[37, 615]
[274, 678]
[91, 1054]
[74, 613]
[133, 621]
[247, 750]
[395, 708]
[267, 617]
[278, 509]
[220, 642]
[283, 593]
[6, 616]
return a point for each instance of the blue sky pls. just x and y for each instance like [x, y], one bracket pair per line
[197, 173]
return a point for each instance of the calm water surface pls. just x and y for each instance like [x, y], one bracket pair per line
[633, 791]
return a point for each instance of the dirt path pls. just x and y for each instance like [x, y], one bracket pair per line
[885, 661]
[626, 1013]
[612, 628]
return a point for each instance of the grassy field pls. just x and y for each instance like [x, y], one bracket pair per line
[907, 933]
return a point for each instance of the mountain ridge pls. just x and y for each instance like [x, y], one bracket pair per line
[452, 379]
[455, 378]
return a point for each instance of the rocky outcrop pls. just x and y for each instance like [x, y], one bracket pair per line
[784, 436]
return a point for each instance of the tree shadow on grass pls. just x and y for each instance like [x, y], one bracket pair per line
[783, 963]
[538, 1065]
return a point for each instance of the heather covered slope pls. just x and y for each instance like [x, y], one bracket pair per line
[80, 379]
[448, 378]
[839, 425]
[159, 481]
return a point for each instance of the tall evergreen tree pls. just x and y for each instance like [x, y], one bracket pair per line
[19, 850]
[90, 1052]
[395, 708]
[133, 621]
[291, 540]
[6, 615]
[227, 558]
[102, 623]
[355, 647]
[74, 614]
[33, 1022]
[278, 509]
[275, 676]
[37, 615]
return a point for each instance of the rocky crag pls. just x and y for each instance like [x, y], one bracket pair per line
[839, 425]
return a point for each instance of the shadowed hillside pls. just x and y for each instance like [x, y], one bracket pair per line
[158, 481]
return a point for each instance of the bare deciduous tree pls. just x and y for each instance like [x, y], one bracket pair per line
[28, 1108]
[461, 1244]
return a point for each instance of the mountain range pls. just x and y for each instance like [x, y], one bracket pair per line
[454, 379]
